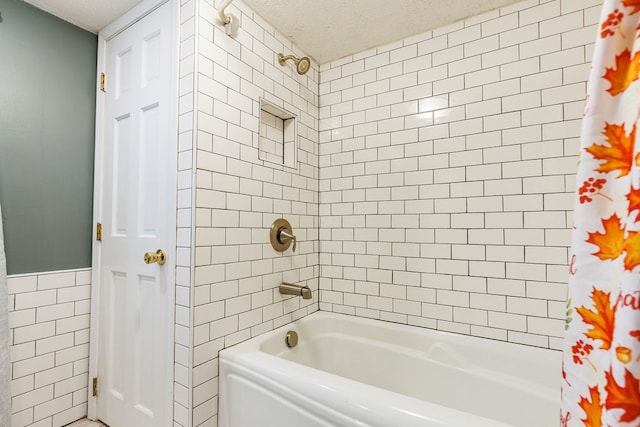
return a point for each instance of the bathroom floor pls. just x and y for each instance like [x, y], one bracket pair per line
[87, 423]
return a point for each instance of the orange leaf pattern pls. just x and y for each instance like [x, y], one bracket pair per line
[635, 4]
[611, 242]
[592, 409]
[602, 320]
[634, 202]
[601, 353]
[632, 249]
[625, 397]
[618, 155]
[626, 71]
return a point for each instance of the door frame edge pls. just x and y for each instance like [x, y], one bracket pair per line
[92, 404]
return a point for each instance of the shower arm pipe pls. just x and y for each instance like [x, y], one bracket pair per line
[224, 18]
[282, 58]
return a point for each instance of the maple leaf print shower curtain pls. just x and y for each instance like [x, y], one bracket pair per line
[601, 365]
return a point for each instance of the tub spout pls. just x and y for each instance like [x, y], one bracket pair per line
[305, 291]
[291, 289]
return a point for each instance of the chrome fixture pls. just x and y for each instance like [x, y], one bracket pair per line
[231, 23]
[298, 290]
[302, 64]
[291, 339]
[281, 235]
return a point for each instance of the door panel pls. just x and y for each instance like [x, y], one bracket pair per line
[138, 216]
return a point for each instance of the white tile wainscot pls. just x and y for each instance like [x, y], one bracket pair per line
[49, 337]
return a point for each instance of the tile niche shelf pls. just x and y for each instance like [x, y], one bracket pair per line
[278, 135]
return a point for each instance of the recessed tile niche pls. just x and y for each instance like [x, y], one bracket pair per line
[278, 135]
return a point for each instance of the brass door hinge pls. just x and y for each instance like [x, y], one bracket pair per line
[95, 387]
[99, 232]
[102, 79]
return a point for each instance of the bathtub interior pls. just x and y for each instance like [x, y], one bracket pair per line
[501, 381]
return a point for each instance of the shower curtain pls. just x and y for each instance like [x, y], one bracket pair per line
[5, 398]
[601, 364]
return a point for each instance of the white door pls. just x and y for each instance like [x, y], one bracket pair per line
[138, 216]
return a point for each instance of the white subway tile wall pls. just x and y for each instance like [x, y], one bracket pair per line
[447, 173]
[49, 338]
[183, 347]
[237, 196]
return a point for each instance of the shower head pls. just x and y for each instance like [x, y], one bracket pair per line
[302, 64]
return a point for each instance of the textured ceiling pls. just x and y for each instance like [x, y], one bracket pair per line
[332, 29]
[324, 29]
[92, 15]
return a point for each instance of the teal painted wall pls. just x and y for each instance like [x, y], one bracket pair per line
[47, 116]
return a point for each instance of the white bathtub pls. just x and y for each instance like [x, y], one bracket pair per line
[348, 371]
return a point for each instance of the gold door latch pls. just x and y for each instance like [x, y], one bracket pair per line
[157, 256]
